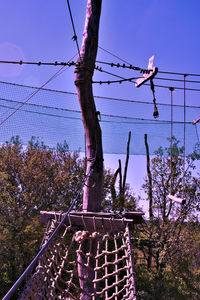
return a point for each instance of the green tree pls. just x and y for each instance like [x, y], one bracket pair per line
[165, 240]
[32, 179]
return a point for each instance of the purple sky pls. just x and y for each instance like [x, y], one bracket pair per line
[134, 30]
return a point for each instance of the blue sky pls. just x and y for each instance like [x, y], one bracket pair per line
[133, 30]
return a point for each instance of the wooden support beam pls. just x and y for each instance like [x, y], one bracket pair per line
[101, 222]
[152, 71]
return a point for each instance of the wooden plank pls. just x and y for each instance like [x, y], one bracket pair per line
[95, 221]
[150, 75]
[146, 77]
[136, 216]
[89, 223]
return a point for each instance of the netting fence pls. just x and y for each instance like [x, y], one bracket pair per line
[54, 117]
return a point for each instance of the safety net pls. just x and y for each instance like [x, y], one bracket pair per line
[54, 117]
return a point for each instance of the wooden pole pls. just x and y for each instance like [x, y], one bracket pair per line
[84, 70]
[150, 194]
[92, 197]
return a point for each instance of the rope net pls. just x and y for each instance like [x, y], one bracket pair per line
[83, 265]
[54, 117]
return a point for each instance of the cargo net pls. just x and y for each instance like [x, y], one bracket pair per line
[83, 265]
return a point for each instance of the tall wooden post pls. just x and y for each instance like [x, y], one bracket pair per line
[92, 196]
[83, 80]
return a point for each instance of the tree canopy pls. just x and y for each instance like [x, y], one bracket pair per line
[168, 241]
[166, 245]
[32, 179]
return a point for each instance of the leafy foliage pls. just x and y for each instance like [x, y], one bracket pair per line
[32, 179]
[168, 241]
[122, 198]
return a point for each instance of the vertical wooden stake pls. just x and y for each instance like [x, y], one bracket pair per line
[150, 194]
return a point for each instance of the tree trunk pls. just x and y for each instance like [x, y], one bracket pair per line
[150, 180]
[83, 80]
[92, 196]
[150, 194]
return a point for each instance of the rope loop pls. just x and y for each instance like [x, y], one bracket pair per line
[80, 236]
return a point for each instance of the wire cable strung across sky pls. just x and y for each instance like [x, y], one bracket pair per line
[39, 63]
[113, 55]
[164, 72]
[115, 75]
[40, 118]
[75, 35]
[146, 71]
[98, 97]
[141, 70]
[34, 93]
[131, 79]
[79, 112]
[116, 81]
[122, 79]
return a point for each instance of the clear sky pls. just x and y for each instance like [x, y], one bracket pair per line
[134, 30]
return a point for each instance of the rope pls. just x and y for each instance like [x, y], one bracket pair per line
[72, 21]
[58, 275]
[35, 260]
[155, 112]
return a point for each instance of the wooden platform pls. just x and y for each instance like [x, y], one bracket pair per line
[95, 221]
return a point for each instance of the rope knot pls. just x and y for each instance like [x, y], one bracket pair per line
[80, 236]
[94, 235]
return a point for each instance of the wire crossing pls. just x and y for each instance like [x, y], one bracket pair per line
[34, 93]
